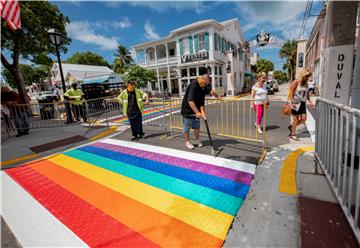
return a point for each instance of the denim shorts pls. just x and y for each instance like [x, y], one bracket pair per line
[189, 123]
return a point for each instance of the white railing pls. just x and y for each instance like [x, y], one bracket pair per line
[337, 152]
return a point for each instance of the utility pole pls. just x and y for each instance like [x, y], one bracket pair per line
[340, 25]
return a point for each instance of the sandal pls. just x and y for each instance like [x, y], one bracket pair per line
[290, 129]
[294, 137]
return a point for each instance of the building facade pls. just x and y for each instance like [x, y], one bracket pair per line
[187, 51]
[300, 56]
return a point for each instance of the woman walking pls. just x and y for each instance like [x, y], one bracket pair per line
[299, 93]
[259, 99]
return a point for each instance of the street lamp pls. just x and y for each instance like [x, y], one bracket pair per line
[56, 40]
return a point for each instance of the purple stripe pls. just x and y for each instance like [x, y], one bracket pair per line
[234, 175]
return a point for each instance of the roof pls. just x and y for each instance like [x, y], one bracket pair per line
[81, 71]
[189, 27]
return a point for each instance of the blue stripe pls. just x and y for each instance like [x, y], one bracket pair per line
[208, 197]
[209, 181]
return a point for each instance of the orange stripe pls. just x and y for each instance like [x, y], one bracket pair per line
[152, 224]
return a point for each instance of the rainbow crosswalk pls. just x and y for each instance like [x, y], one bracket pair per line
[151, 113]
[115, 193]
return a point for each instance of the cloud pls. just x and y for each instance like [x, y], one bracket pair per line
[150, 31]
[133, 53]
[83, 31]
[124, 23]
[284, 17]
[198, 7]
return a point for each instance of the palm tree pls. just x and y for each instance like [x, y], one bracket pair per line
[289, 51]
[122, 59]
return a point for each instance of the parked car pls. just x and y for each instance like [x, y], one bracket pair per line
[269, 87]
[46, 101]
[275, 85]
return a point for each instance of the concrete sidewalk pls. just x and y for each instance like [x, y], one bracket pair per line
[45, 141]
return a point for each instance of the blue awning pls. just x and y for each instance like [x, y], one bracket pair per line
[95, 80]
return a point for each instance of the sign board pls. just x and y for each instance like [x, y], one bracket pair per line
[337, 73]
[195, 57]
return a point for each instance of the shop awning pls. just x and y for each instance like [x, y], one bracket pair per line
[97, 80]
[249, 74]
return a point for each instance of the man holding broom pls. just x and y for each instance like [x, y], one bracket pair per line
[192, 108]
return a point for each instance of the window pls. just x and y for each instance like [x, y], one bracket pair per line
[220, 82]
[151, 55]
[218, 43]
[216, 70]
[192, 72]
[220, 70]
[202, 70]
[301, 60]
[202, 43]
[172, 52]
[183, 72]
[185, 42]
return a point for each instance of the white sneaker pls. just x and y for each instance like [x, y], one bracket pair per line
[259, 130]
[189, 145]
[199, 143]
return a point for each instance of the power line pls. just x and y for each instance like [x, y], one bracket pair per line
[307, 11]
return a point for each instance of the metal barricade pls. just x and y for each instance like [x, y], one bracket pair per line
[233, 118]
[34, 115]
[337, 152]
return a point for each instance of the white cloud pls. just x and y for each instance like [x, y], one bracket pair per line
[133, 53]
[284, 16]
[166, 6]
[124, 23]
[150, 31]
[83, 31]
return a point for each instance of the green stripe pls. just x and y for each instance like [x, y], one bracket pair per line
[211, 198]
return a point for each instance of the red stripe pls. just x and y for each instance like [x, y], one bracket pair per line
[88, 223]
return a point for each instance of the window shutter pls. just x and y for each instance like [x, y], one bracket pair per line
[181, 45]
[207, 40]
[223, 45]
[196, 43]
[220, 44]
[215, 41]
[190, 45]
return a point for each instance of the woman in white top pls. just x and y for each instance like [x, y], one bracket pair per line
[299, 93]
[260, 98]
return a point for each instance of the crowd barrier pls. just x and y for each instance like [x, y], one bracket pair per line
[233, 118]
[337, 152]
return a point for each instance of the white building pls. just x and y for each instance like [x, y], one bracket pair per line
[253, 58]
[186, 51]
[75, 72]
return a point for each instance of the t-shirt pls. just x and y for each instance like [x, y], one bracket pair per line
[132, 103]
[196, 94]
[75, 96]
[260, 94]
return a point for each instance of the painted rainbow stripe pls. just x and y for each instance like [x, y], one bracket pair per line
[139, 195]
[149, 114]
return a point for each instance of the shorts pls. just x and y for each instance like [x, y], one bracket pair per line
[301, 110]
[189, 123]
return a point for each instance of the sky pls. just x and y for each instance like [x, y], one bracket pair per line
[99, 26]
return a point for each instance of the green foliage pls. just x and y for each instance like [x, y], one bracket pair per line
[31, 42]
[280, 76]
[264, 65]
[140, 75]
[87, 58]
[122, 59]
[289, 51]
[30, 74]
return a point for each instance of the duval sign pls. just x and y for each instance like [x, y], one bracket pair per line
[194, 57]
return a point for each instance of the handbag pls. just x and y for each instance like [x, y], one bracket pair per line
[286, 108]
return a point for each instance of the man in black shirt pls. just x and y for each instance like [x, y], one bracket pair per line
[192, 108]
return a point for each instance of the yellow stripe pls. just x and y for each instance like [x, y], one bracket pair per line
[202, 217]
[16, 160]
[104, 133]
[288, 171]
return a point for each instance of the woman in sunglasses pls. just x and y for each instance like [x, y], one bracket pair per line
[259, 99]
[299, 94]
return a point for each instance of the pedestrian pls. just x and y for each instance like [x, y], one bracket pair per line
[132, 100]
[259, 99]
[299, 93]
[76, 98]
[18, 110]
[193, 106]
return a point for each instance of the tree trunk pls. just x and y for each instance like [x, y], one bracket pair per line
[20, 85]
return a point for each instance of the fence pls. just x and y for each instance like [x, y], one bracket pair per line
[231, 118]
[337, 152]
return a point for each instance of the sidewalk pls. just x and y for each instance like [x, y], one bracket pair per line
[45, 141]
